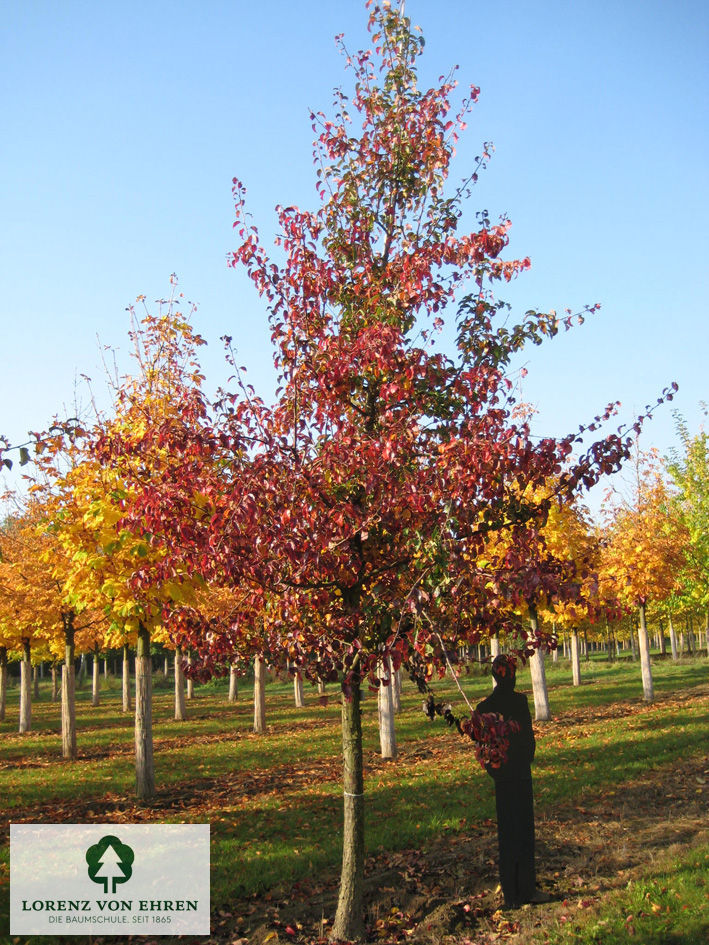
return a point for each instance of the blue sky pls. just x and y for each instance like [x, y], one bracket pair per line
[124, 123]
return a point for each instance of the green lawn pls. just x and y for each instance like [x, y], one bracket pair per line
[274, 801]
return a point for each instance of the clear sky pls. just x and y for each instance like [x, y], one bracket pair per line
[123, 124]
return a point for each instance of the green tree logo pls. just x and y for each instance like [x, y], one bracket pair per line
[110, 862]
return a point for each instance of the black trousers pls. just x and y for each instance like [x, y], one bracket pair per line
[515, 835]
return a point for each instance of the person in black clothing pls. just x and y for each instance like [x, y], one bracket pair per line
[513, 789]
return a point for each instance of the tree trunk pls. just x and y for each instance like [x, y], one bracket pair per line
[68, 691]
[190, 681]
[3, 681]
[233, 684]
[396, 687]
[387, 730]
[82, 669]
[298, 691]
[321, 687]
[166, 667]
[349, 918]
[645, 667]
[691, 648]
[95, 679]
[706, 632]
[663, 645]
[144, 764]
[55, 683]
[259, 696]
[673, 640]
[35, 683]
[575, 661]
[26, 687]
[126, 678]
[494, 650]
[179, 686]
[539, 678]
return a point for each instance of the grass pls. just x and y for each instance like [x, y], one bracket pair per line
[274, 802]
[668, 905]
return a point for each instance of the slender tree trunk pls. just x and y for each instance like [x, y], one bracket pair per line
[179, 686]
[706, 632]
[55, 683]
[298, 690]
[144, 763]
[691, 648]
[494, 650]
[387, 730]
[321, 687]
[663, 644]
[35, 683]
[190, 681]
[126, 678]
[542, 712]
[3, 681]
[673, 640]
[575, 661]
[68, 691]
[349, 918]
[259, 696]
[26, 687]
[105, 667]
[166, 667]
[396, 687]
[233, 684]
[95, 679]
[644, 646]
[82, 669]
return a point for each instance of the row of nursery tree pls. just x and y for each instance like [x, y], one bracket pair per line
[391, 507]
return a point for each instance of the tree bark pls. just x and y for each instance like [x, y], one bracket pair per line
[349, 918]
[298, 690]
[55, 683]
[644, 646]
[575, 661]
[396, 687]
[179, 686]
[68, 691]
[706, 632]
[95, 679]
[387, 730]
[3, 682]
[673, 640]
[144, 762]
[233, 684]
[190, 681]
[126, 678]
[35, 682]
[26, 687]
[259, 696]
[494, 650]
[539, 678]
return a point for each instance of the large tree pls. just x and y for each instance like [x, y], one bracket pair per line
[351, 513]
